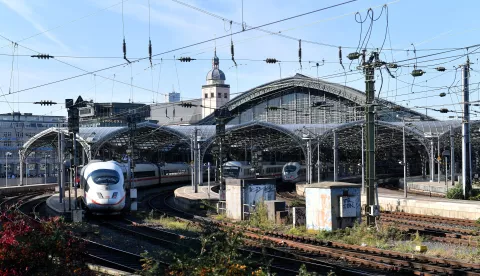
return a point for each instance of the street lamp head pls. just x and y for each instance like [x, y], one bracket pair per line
[8, 154]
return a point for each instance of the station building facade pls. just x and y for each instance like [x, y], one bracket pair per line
[17, 128]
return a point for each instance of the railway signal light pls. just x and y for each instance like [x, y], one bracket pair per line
[42, 56]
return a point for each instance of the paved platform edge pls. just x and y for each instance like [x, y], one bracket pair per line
[195, 201]
[27, 188]
[54, 205]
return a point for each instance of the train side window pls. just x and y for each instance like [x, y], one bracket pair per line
[86, 187]
[144, 174]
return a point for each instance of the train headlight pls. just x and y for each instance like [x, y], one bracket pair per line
[99, 195]
[114, 195]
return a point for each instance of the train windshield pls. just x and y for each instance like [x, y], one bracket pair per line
[230, 171]
[290, 168]
[105, 177]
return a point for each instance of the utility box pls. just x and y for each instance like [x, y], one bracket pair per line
[77, 215]
[242, 195]
[332, 205]
[273, 206]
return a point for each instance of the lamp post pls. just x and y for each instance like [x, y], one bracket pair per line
[7, 154]
[46, 155]
[307, 137]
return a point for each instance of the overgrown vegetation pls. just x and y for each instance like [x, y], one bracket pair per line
[171, 223]
[456, 192]
[27, 248]
[218, 254]
[297, 203]
[259, 218]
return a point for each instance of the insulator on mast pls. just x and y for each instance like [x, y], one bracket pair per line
[125, 51]
[150, 51]
[233, 52]
[300, 53]
[340, 56]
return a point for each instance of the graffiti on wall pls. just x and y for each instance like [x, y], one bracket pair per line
[259, 193]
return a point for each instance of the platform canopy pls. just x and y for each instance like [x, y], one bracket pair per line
[269, 136]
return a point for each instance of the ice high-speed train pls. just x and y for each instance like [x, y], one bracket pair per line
[293, 172]
[105, 182]
[104, 187]
[243, 170]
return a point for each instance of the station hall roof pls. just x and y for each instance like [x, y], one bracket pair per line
[151, 136]
[348, 93]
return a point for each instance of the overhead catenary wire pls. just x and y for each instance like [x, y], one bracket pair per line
[191, 45]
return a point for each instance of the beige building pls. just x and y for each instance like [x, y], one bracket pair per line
[215, 93]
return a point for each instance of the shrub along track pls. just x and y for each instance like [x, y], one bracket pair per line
[100, 254]
[283, 262]
[367, 256]
[391, 261]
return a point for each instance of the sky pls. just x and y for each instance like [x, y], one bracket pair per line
[86, 36]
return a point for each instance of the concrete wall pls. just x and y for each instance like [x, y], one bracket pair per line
[451, 209]
[233, 198]
[300, 189]
[243, 194]
[318, 205]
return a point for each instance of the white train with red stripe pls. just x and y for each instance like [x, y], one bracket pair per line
[243, 170]
[104, 187]
[105, 182]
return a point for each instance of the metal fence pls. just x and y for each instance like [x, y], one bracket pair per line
[427, 188]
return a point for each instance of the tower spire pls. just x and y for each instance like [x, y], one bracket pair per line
[216, 61]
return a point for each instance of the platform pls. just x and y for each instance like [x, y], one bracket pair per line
[27, 188]
[391, 200]
[54, 204]
[186, 199]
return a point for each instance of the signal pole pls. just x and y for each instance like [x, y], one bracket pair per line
[132, 125]
[369, 70]
[466, 146]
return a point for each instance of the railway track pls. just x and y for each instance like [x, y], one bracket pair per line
[367, 256]
[456, 231]
[287, 263]
[112, 257]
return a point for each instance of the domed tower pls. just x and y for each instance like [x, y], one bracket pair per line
[215, 93]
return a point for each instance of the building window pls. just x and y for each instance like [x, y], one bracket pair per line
[219, 95]
[225, 95]
[206, 95]
[212, 95]
[7, 134]
[7, 143]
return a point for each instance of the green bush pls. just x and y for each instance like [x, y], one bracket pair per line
[455, 192]
[259, 218]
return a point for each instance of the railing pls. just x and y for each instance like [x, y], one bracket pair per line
[427, 188]
[247, 211]
[222, 207]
